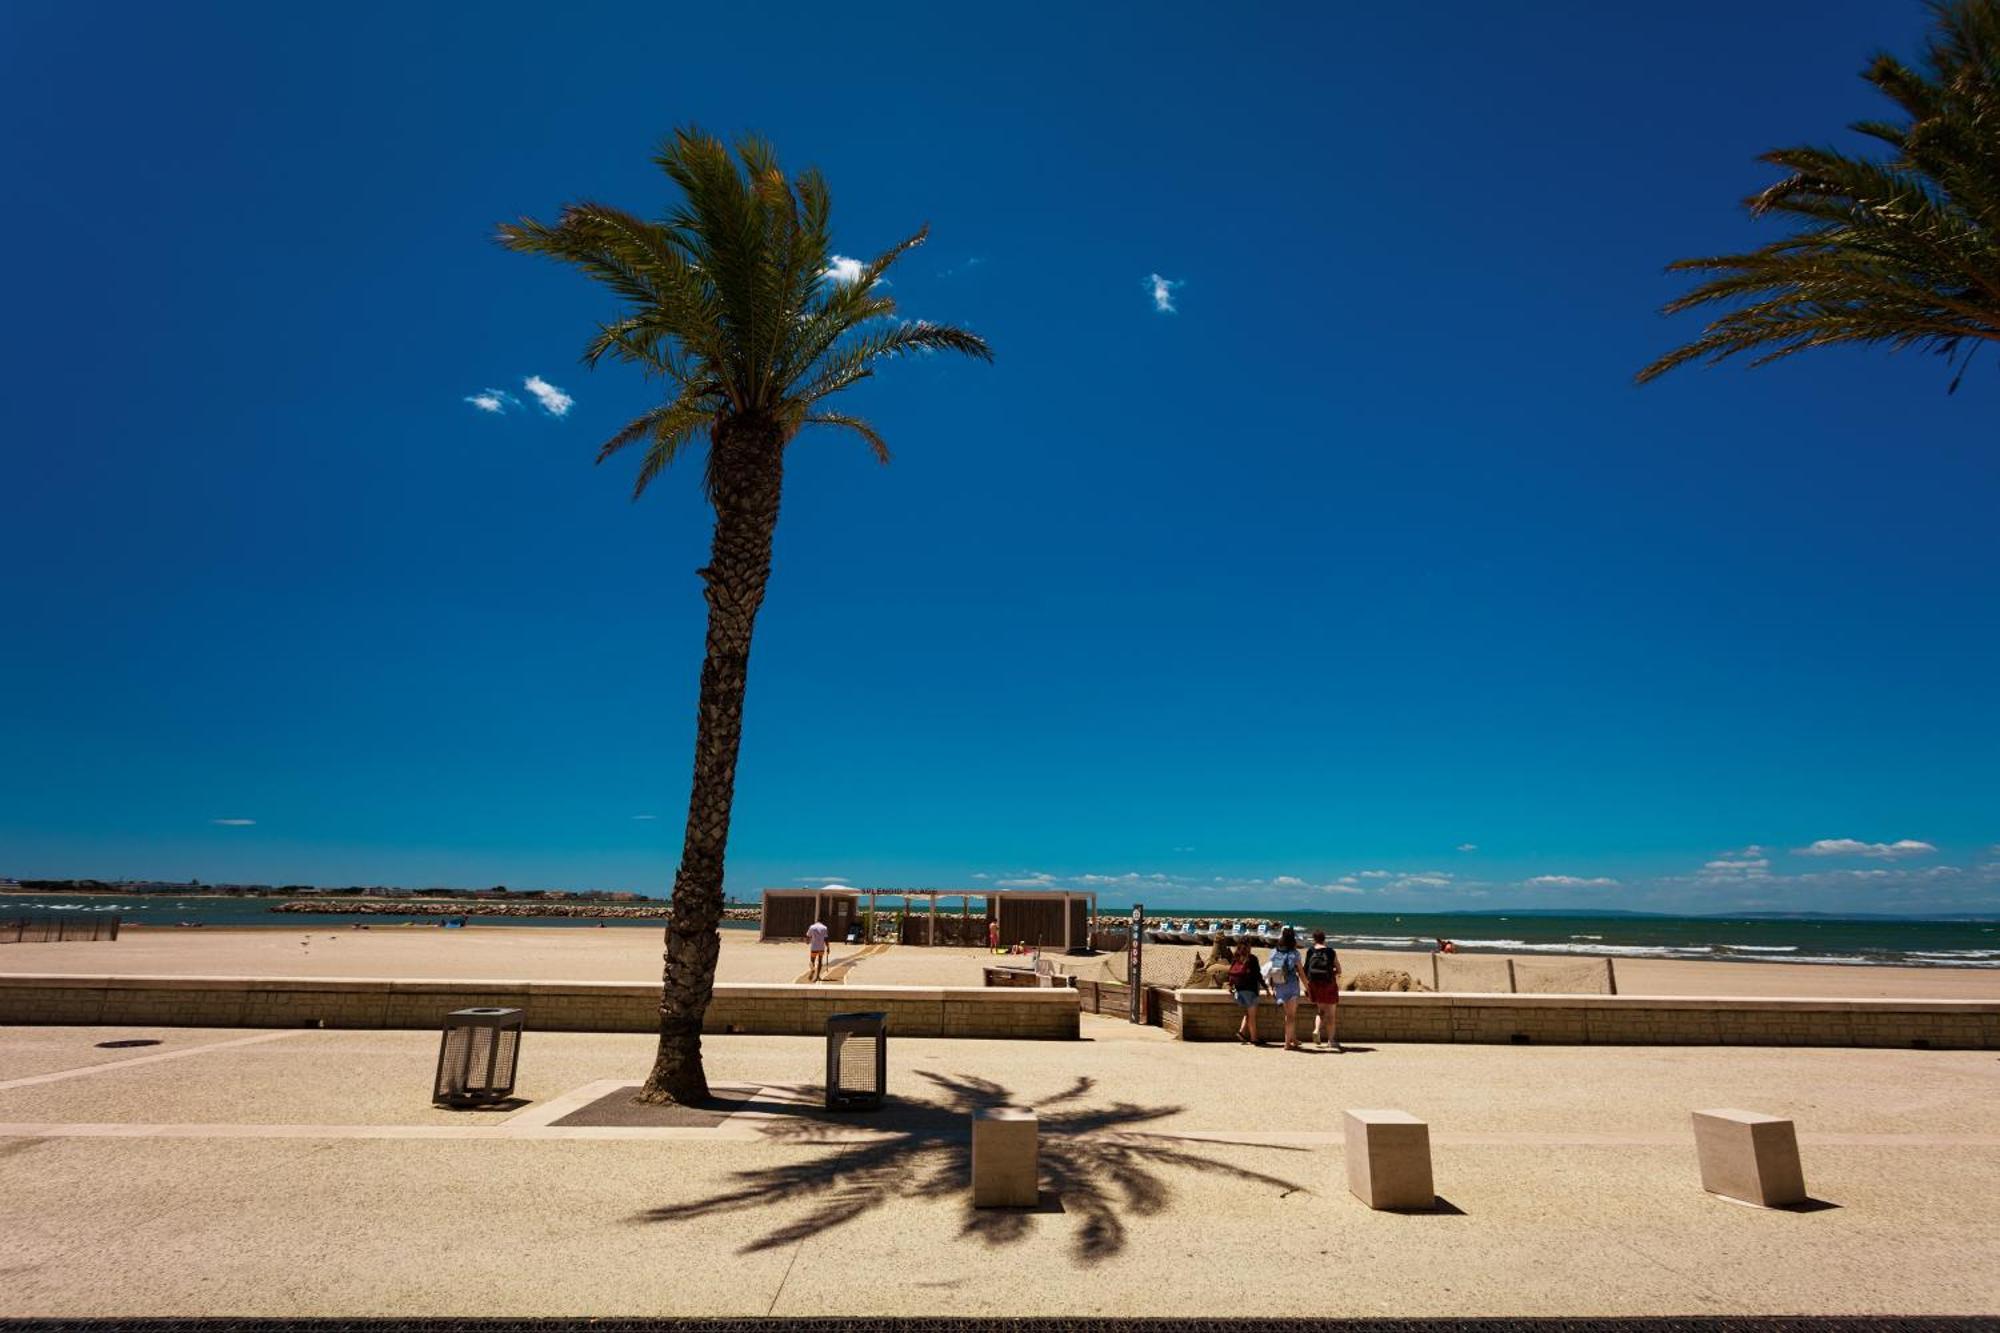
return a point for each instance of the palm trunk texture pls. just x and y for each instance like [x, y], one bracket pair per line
[746, 472]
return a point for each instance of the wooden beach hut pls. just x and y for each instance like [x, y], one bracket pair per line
[1045, 918]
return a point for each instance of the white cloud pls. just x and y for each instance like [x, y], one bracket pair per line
[1880, 851]
[1340, 888]
[844, 270]
[1569, 882]
[496, 401]
[233, 823]
[553, 400]
[1377, 874]
[1289, 882]
[645, 816]
[1468, 846]
[1163, 292]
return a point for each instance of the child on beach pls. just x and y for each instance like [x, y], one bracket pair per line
[1246, 982]
[1284, 970]
[1323, 989]
[816, 935]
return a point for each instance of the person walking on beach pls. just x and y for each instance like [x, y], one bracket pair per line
[1323, 989]
[1285, 972]
[993, 934]
[816, 949]
[1246, 982]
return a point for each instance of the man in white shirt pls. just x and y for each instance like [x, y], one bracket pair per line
[816, 946]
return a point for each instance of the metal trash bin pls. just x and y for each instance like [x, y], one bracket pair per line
[477, 1055]
[857, 1061]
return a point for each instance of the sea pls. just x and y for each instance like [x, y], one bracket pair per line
[237, 913]
[1853, 941]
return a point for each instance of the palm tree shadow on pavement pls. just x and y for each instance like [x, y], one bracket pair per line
[1097, 1159]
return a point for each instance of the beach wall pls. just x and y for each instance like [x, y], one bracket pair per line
[551, 1006]
[1608, 1020]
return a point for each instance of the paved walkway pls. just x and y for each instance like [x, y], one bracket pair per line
[305, 1173]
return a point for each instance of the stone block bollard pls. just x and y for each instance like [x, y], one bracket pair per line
[1389, 1159]
[1750, 1157]
[1006, 1157]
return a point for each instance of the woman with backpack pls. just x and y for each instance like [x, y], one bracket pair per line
[1246, 982]
[1284, 971]
[1323, 989]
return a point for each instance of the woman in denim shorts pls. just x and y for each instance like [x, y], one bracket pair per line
[1246, 981]
[1288, 983]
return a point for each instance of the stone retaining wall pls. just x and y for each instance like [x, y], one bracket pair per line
[552, 1006]
[1608, 1020]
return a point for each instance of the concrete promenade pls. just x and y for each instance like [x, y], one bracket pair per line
[304, 1172]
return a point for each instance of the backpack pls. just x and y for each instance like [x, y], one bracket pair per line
[1320, 964]
[1242, 974]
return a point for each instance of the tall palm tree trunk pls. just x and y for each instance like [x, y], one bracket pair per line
[746, 474]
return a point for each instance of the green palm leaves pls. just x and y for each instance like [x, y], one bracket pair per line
[732, 301]
[1903, 252]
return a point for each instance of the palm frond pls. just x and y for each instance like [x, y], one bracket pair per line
[875, 442]
[727, 302]
[1903, 252]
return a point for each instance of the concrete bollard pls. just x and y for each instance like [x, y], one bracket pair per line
[1389, 1159]
[1006, 1157]
[1750, 1157]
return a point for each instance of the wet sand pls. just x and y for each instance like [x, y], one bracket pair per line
[633, 954]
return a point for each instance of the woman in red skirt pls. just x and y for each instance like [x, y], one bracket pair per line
[1322, 968]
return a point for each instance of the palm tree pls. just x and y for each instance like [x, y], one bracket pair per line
[1904, 251]
[731, 303]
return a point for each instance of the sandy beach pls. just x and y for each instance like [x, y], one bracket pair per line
[633, 954]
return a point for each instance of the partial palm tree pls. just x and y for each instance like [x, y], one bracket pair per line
[1904, 251]
[733, 302]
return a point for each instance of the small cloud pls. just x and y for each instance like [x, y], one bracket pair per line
[1340, 888]
[1289, 882]
[1569, 882]
[496, 401]
[1163, 292]
[844, 270]
[645, 816]
[1468, 846]
[1189, 849]
[233, 823]
[1880, 851]
[981, 874]
[553, 400]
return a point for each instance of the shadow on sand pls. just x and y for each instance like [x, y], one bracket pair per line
[1098, 1164]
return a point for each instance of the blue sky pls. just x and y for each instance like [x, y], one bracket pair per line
[1363, 577]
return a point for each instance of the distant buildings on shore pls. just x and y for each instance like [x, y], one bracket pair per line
[141, 887]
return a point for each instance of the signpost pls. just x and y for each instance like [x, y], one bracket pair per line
[1135, 944]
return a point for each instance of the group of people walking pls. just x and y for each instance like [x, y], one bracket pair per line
[1290, 974]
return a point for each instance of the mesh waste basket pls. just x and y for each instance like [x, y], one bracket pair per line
[476, 1056]
[857, 1061]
